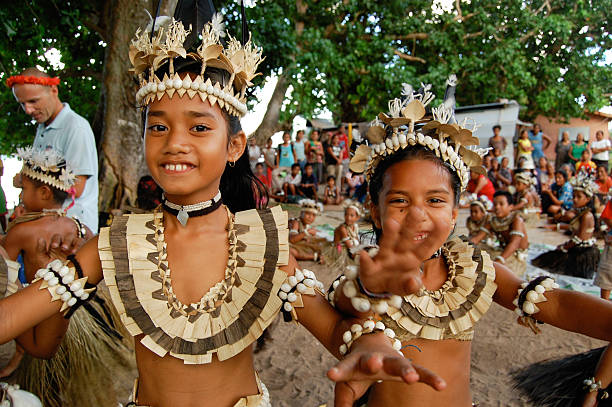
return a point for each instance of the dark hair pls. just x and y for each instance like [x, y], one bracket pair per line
[240, 188]
[507, 194]
[497, 126]
[59, 196]
[563, 174]
[331, 177]
[295, 165]
[307, 165]
[259, 165]
[416, 152]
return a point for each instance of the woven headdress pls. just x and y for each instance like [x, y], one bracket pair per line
[483, 202]
[406, 126]
[203, 44]
[525, 177]
[47, 166]
[309, 205]
[585, 183]
[349, 203]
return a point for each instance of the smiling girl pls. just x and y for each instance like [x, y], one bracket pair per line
[198, 280]
[416, 176]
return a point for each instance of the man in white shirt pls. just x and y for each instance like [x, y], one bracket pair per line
[63, 130]
[600, 148]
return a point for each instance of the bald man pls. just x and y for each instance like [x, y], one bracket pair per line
[63, 130]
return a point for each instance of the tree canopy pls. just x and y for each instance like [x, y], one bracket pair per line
[29, 30]
[347, 56]
[352, 56]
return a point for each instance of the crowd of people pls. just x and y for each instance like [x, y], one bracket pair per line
[311, 167]
[402, 312]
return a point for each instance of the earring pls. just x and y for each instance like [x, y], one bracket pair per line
[231, 163]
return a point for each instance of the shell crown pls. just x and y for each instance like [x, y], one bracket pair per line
[388, 133]
[148, 54]
[311, 205]
[47, 166]
[585, 183]
[525, 177]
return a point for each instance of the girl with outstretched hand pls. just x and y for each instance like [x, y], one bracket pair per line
[415, 176]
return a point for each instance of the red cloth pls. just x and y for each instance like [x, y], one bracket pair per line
[488, 190]
[607, 212]
[265, 180]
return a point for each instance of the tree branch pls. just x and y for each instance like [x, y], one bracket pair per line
[472, 35]
[409, 57]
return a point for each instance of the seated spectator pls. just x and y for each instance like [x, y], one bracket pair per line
[585, 164]
[308, 185]
[292, 180]
[260, 173]
[548, 177]
[497, 153]
[499, 180]
[480, 185]
[331, 194]
[603, 180]
[505, 174]
[558, 198]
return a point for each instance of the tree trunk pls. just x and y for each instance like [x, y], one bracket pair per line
[270, 123]
[121, 156]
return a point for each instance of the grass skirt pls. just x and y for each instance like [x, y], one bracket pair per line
[558, 383]
[577, 262]
[86, 367]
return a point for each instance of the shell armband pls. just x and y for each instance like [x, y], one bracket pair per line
[528, 296]
[66, 284]
[302, 282]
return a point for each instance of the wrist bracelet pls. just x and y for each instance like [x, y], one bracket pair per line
[500, 259]
[368, 327]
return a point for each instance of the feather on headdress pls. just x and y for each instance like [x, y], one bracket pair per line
[388, 133]
[240, 60]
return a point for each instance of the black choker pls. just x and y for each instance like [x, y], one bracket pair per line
[184, 212]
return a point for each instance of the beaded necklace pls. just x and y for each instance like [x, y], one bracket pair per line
[216, 293]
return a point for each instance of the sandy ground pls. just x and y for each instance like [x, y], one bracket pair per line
[293, 364]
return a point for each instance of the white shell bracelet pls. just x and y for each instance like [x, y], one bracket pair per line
[361, 301]
[62, 282]
[302, 282]
[368, 327]
[528, 296]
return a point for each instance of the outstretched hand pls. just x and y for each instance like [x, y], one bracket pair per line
[371, 359]
[395, 269]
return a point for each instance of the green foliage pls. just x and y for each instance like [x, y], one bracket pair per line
[343, 55]
[344, 59]
[29, 29]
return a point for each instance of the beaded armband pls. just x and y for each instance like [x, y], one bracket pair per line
[361, 299]
[368, 327]
[517, 233]
[592, 385]
[291, 291]
[66, 284]
[528, 296]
